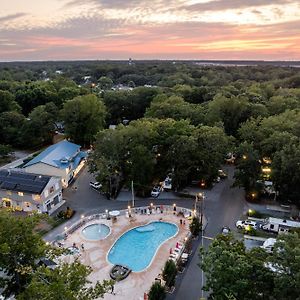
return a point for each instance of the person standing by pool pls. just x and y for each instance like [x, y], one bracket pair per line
[112, 289]
[82, 247]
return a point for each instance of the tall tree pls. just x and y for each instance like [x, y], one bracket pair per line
[83, 116]
[67, 281]
[232, 271]
[7, 102]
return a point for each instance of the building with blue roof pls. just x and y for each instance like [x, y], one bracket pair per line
[64, 159]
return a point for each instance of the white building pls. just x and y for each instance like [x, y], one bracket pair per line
[30, 192]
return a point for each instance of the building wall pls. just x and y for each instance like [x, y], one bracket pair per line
[48, 201]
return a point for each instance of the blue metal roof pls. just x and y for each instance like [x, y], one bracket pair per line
[59, 155]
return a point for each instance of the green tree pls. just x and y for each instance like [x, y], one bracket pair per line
[157, 292]
[285, 261]
[68, 282]
[83, 116]
[169, 273]
[195, 226]
[231, 271]
[105, 83]
[5, 150]
[20, 246]
[7, 102]
[248, 167]
[11, 124]
[286, 171]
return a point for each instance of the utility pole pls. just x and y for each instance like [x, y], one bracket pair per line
[132, 193]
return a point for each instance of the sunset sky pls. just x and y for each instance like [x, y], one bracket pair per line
[149, 29]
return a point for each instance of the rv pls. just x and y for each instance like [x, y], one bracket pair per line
[279, 225]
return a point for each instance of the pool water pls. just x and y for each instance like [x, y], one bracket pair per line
[136, 248]
[95, 232]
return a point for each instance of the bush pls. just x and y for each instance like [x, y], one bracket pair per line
[169, 273]
[195, 226]
[5, 150]
[157, 292]
[67, 214]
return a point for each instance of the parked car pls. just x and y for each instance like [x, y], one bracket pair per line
[167, 184]
[95, 185]
[222, 174]
[268, 245]
[245, 223]
[225, 230]
[156, 191]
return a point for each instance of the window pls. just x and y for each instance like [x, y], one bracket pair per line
[21, 194]
[55, 200]
[36, 197]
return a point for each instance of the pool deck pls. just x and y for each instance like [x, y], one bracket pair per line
[95, 252]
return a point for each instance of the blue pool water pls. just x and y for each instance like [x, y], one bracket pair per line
[136, 247]
[95, 232]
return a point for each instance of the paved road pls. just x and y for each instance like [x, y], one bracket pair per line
[223, 206]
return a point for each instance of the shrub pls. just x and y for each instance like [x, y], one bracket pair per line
[169, 273]
[157, 292]
[195, 226]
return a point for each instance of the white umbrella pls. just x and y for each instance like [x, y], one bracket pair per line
[114, 213]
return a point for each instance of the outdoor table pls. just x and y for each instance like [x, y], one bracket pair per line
[114, 213]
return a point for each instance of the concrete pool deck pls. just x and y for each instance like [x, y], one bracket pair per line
[95, 252]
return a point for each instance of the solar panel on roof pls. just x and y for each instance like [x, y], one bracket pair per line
[8, 185]
[30, 189]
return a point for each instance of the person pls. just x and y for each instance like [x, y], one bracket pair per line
[183, 222]
[82, 247]
[112, 289]
[180, 221]
[74, 245]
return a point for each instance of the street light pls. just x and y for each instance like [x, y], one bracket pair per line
[199, 206]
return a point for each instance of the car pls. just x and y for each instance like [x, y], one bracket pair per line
[167, 184]
[222, 174]
[225, 230]
[95, 185]
[244, 224]
[156, 191]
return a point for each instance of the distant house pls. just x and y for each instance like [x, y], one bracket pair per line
[63, 160]
[30, 192]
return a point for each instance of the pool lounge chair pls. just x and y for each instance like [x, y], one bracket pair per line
[148, 211]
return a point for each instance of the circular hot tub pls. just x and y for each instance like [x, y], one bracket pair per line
[95, 232]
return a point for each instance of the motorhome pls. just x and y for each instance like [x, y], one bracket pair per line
[279, 225]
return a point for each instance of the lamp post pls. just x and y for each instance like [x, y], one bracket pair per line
[199, 200]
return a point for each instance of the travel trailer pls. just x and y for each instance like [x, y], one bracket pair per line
[279, 225]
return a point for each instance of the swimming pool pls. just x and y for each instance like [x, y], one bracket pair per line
[137, 247]
[96, 232]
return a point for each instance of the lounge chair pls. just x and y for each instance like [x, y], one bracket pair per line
[148, 211]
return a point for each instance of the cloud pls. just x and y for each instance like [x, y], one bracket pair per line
[12, 17]
[219, 5]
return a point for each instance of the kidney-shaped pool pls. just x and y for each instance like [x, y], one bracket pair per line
[137, 247]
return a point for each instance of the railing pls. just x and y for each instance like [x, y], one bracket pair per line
[143, 210]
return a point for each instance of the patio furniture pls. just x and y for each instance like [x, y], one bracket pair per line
[119, 272]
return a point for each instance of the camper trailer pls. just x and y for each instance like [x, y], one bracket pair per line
[279, 225]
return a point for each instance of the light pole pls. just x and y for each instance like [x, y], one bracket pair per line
[132, 193]
[199, 206]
